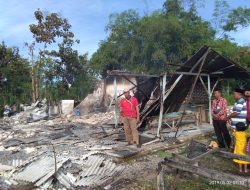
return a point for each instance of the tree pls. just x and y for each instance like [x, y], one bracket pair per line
[151, 44]
[220, 13]
[173, 7]
[49, 29]
[244, 54]
[34, 73]
[15, 83]
[226, 20]
[239, 17]
[62, 71]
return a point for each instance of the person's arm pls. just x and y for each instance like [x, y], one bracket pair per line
[236, 112]
[213, 108]
[136, 104]
[138, 114]
[232, 115]
[121, 113]
[223, 108]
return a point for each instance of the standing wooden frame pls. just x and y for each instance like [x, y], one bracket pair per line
[197, 75]
[164, 96]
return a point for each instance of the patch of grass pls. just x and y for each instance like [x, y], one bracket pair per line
[144, 185]
[219, 163]
[199, 183]
[163, 154]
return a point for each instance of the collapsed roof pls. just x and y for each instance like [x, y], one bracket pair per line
[205, 68]
[216, 65]
[205, 64]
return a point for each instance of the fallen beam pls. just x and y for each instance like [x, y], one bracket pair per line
[233, 156]
[224, 178]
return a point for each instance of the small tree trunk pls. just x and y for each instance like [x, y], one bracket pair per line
[33, 74]
[37, 84]
[33, 85]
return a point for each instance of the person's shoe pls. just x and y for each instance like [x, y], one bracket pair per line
[129, 144]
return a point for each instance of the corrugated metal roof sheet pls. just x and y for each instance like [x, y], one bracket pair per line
[91, 180]
[38, 169]
[97, 170]
[216, 62]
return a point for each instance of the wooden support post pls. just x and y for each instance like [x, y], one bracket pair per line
[210, 94]
[138, 88]
[216, 83]
[116, 106]
[172, 87]
[163, 86]
[198, 74]
[203, 84]
[163, 97]
[193, 86]
[160, 179]
[202, 58]
[209, 99]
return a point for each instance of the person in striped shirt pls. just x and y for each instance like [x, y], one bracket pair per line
[239, 109]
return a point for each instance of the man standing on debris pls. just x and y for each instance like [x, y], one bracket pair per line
[130, 114]
[219, 113]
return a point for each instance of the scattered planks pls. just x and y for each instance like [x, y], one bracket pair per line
[216, 175]
[220, 152]
[191, 165]
[216, 151]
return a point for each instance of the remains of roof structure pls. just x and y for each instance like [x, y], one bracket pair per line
[202, 72]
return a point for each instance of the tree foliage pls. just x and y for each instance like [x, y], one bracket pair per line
[59, 69]
[153, 43]
[239, 17]
[150, 43]
[15, 80]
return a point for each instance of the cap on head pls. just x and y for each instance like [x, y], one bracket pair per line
[239, 90]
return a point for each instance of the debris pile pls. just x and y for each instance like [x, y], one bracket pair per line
[53, 155]
[92, 103]
[94, 119]
[75, 152]
[35, 112]
[88, 171]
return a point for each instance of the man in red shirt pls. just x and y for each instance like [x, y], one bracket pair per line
[129, 111]
[219, 113]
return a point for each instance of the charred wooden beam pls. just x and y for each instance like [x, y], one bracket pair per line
[138, 88]
[208, 173]
[233, 155]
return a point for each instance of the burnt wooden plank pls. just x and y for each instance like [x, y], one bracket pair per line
[209, 173]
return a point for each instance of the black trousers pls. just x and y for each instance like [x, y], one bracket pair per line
[221, 131]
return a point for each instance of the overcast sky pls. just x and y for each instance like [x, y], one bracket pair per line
[87, 17]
